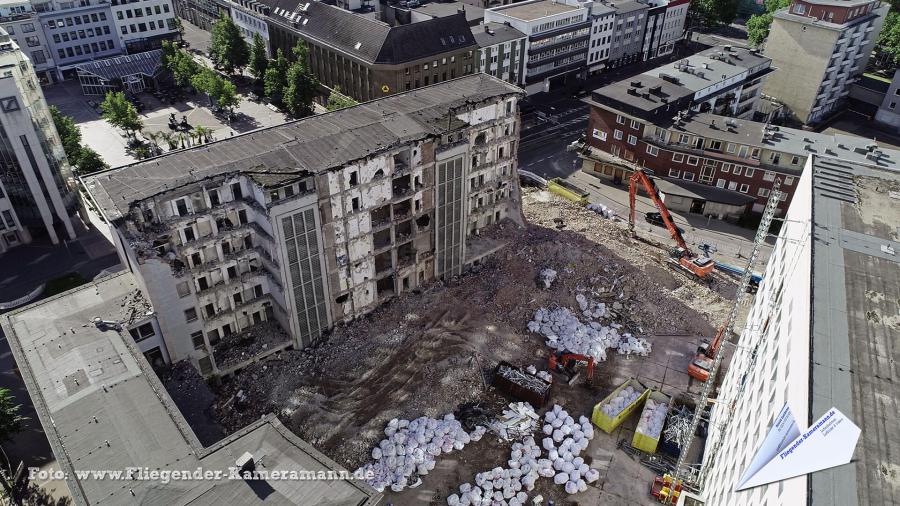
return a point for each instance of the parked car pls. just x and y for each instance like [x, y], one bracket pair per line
[656, 219]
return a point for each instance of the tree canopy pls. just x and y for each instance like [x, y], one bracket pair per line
[337, 100]
[121, 113]
[758, 24]
[227, 48]
[713, 13]
[888, 45]
[10, 419]
[302, 85]
[275, 80]
[84, 158]
[259, 60]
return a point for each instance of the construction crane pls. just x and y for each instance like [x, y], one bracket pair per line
[682, 471]
[699, 266]
[706, 354]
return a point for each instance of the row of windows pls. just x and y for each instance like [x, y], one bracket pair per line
[89, 33]
[434, 64]
[93, 47]
[138, 13]
[142, 27]
[77, 20]
[543, 27]
[26, 28]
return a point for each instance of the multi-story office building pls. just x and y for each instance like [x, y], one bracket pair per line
[820, 334]
[202, 13]
[142, 25]
[250, 18]
[278, 235]
[500, 51]
[821, 47]
[603, 20]
[21, 23]
[78, 32]
[37, 199]
[665, 27]
[558, 38]
[628, 32]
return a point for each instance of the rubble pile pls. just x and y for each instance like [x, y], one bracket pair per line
[566, 439]
[504, 486]
[622, 400]
[411, 447]
[652, 418]
[544, 375]
[565, 332]
[548, 276]
[517, 421]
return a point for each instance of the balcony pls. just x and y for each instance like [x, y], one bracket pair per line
[250, 345]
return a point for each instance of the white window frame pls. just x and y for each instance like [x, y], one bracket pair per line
[744, 188]
[748, 172]
[620, 119]
[617, 134]
[769, 176]
[635, 125]
[721, 183]
[726, 167]
[730, 148]
[599, 134]
[789, 180]
[737, 170]
[632, 140]
[674, 173]
[732, 185]
[795, 160]
[686, 174]
[652, 150]
[695, 160]
[762, 192]
[678, 157]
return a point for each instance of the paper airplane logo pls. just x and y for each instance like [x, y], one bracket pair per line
[786, 452]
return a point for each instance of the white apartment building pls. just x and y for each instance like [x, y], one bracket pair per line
[250, 18]
[272, 237]
[21, 23]
[35, 178]
[501, 50]
[142, 24]
[673, 26]
[558, 38]
[603, 18]
[819, 336]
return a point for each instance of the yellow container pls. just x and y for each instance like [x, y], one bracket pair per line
[568, 191]
[646, 442]
[607, 423]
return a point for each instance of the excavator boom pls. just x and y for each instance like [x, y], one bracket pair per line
[640, 176]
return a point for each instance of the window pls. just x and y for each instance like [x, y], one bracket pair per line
[635, 125]
[599, 134]
[677, 157]
[38, 57]
[720, 183]
[788, 181]
[749, 172]
[210, 310]
[737, 170]
[197, 339]
[693, 160]
[27, 27]
[183, 289]
[620, 119]
[687, 176]
[763, 192]
[774, 158]
[632, 140]
[715, 145]
[145, 331]
[726, 167]
[674, 173]
[190, 314]
[652, 150]
[767, 176]
[189, 234]
[732, 185]
[745, 188]
[617, 134]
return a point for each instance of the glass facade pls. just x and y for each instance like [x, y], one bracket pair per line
[449, 217]
[305, 271]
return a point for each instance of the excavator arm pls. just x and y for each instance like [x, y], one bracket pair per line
[640, 176]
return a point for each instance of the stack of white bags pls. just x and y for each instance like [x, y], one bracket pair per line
[652, 418]
[565, 332]
[622, 400]
[602, 210]
[565, 441]
[411, 448]
[504, 486]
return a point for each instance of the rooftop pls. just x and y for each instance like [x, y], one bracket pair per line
[313, 144]
[148, 63]
[489, 34]
[534, 9]
[697, 73]
[855, 322]
[626, 6]
[102, 407]
[668, 92]
[810, 21]
[700, 191]
[445, 9]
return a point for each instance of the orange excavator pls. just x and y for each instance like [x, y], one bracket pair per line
[702, 365]
[699, 266]
[565, 363]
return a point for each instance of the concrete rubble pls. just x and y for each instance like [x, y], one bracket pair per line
[517, 421]
[566, 332]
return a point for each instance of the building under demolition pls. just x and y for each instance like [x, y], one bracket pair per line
[263, 241]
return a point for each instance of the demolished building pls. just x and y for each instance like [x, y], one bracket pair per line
[263, 241]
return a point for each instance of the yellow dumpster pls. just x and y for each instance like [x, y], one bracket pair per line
[568, 191]
[611, 412]
[647, 433]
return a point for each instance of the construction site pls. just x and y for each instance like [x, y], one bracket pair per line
[447, 351]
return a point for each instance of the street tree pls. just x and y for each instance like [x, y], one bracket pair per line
[168, 52]
[302, 85]
[228, 97]
[275, 80]
[259, 60]
[183, 67]
[121, 113]
[758, 25]
[84, 158]
[227, 48]
[10, 419]
[712, 13]
[90, 161]
[888, 45]
[337, 100]
[209, 82]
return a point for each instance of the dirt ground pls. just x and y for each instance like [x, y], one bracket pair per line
[426, 353]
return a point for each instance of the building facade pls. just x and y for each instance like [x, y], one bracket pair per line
[671, 31]
[142, 25]
[281, 238]
[603, 18]
[628, 33]
[250, 18]
[78, 32]
[558, 38]
[500, 51]
[821, 48]
[21, 23]
[811, 332]
[888, 112]
[202, 13]
[35, 178]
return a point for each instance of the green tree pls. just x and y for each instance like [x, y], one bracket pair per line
[337, 100]
[168, 53]
[121, 113]
[758, 24]
[259, 61]
[10, 420]
[714, 13]
[228, 97]
[183, 67]
[68, 132]
[302, 85]
[276, 77]
[90, 161]
[227, 48]
[888, 45]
